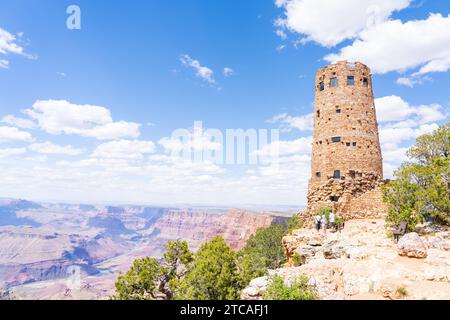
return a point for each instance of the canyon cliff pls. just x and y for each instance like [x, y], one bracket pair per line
[62, 251]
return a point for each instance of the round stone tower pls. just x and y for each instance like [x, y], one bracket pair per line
[346, 154]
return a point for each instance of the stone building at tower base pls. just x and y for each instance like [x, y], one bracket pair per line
[359, 197]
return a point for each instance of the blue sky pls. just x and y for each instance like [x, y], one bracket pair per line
[139, 70]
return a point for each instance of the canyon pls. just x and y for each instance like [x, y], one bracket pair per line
[76, 251]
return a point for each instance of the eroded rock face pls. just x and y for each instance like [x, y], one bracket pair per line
[410, 245]
[362, 263]
[235, 226]
[333, 250]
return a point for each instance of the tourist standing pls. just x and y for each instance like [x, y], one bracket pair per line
[332, 219]
[324, 224]
[317, 222]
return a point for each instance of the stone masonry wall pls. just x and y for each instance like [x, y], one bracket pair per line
[346, 165]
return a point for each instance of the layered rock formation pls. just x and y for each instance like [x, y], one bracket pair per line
[235, 226]
[37, 259]
[362, 263]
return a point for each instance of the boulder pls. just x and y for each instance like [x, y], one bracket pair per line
[315, 240]
[333, 250]
[290, 243]
[306, 253]
[392, 290]
[355, 253]
[355, 284]
[440, 274]
[438, 243]
[410, 245]
[255, 289]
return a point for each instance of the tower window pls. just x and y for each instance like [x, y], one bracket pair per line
[338, 110]
[333, 82]
[334, 198]
[348, 144]
[321, 86]
[365, 82]
[354, 144]
[318, 174]
[350, 80]
[318, 113]
[336, 139]
[353, 174]
[337, 174]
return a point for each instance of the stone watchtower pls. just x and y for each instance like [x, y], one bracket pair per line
[347, 165]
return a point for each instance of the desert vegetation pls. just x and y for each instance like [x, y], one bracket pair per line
[421, 189]
[214, 272]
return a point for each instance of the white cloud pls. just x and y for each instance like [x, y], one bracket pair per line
[402, 122]
[4, 64]
[413, 80]
[62, 117]
[439, 64]
[196, 139]
[8, 152]
[300, 146]
[302, 123]
[281, 34]
[10, 134]
[228, 72]
[329, 22]
[18, 122]
[281, 47]
[41, 158]
[50, 148]
[9, 45]
[203, 72]
[124, 149]
[406, 82]
[397, 46]
[382, 43]
[394, 108]
[397, 135]
[392, 138]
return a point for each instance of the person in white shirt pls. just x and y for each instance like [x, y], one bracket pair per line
[332, 219]
[317, 222]
[324, 224]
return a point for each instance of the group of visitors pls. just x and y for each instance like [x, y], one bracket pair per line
[322, 223]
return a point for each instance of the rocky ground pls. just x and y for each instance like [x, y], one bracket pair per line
[362, 262]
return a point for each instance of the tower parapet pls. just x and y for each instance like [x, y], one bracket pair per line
[346, 164]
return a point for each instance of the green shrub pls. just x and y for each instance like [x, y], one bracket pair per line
[421, 189]
[294, 223]
[152, 279]
[214, 274]
[298, 290]
[262, 251]
[402, 292]
[297, 260]
[325, 211]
